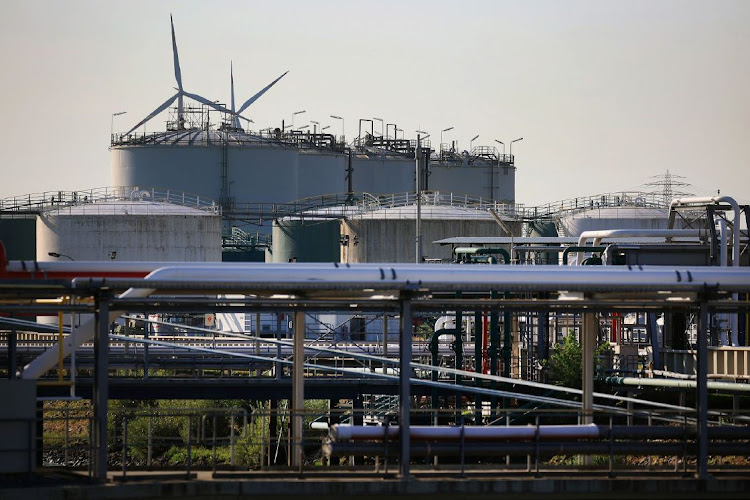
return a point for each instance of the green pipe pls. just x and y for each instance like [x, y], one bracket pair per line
[580, 249]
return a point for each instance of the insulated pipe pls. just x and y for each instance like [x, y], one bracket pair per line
[469, 433]
[677, 384]
[716, 200]
[296, 277]
[439, 277]
[735, 240]
[631, 233]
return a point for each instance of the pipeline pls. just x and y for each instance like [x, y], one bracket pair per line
[533, 440]
[295, 277]
[676, 383]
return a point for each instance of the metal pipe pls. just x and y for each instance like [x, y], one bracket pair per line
[630, 233]
[567, 250]
[718, 199]
[296, 277]
[340, 433]
[676, 383]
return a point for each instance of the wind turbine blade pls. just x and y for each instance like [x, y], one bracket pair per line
[205, 101]
[177, 72]
[235, 121]
[257, 96]
[231, 78]
[155, 112]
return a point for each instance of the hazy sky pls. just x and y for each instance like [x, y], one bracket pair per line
[604, 93]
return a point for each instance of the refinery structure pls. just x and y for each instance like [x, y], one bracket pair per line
[374, 304]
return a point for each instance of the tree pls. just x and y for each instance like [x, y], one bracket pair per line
[565, 363]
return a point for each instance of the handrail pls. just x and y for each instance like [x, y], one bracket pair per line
[55, 200]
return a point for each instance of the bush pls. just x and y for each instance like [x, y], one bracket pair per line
[565, 363]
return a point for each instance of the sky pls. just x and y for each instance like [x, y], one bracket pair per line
[605, 93]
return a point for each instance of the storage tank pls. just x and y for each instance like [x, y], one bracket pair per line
[573, 224]
[18, 235]
[305, 240]
[130, 230]
[280, 168]
[388, 233]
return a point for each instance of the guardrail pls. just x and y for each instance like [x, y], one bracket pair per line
[57, 200]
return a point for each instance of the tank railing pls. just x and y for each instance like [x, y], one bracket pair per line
[619, 199]
[360, 202]
[55, 200]
[202, 137]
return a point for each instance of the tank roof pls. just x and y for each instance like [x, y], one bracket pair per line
[128, 207]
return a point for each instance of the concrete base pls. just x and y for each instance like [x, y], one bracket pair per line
[259, 488]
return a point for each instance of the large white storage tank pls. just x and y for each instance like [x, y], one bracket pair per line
[388, 234]
[612, 211]
[133, 230]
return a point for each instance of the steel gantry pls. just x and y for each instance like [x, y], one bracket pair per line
[404, 290]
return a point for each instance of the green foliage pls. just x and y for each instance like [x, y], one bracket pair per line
[426, 328]
[565, 363]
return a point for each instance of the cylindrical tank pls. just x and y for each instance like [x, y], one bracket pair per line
[18, 235]
[305, 240]
[626, 217]
[130, 230]
[481, 179]
[389, 235]
[254, 169]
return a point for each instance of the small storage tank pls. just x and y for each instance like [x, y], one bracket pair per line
[388, 234]
[131, 231]
[626, 217]
[18, 234]
[305, 240]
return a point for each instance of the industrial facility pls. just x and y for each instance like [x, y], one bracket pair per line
[288, 302]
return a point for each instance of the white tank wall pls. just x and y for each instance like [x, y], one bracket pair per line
[394, 240]
[185, 238]
[613, 218]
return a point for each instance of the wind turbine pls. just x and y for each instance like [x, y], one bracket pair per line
[180, 93]
[236, 115]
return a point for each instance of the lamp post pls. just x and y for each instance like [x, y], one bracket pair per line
[511, 146]
[503, 144]
[387, 125]
[112, 122]
[343, 134]
[315, 126]
[325, 128]
[295, 114]
[58, 255]
[441, 136]
[381, 125]
[471, 142]
[372, 129]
